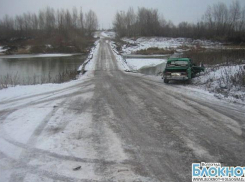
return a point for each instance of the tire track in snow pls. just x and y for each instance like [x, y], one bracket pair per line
[30, 151]
[41, 101]
[47, 93]
[24, 157]
[23, 167]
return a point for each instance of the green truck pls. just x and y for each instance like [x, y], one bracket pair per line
[181, 69]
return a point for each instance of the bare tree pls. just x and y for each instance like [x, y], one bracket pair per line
[34, 23]
[130, 22]
[19, 23]
[50, 19]
[74, 17]
[60, 19]
[7, 26]
[234, 15]
[148, 21]
[120, 23]
[145, 23]
[63, 23]
[68, 20]
[208, 17]
[81, 19]
[242, 21]
[220, 13]
[91, 22]
[41, 20]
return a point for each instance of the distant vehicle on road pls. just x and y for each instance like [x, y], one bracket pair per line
[181, 69]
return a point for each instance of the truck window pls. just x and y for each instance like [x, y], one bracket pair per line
[177, 63]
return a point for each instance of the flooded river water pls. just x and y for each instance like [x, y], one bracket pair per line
[27, 69]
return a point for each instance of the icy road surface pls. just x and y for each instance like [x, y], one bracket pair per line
[114, 126]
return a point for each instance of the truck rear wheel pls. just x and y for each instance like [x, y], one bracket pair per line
[166, 81]
[188, 81]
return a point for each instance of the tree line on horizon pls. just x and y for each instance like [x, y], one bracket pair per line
[49, 22]
[219, 22]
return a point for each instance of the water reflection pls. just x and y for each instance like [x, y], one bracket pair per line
[41, 69]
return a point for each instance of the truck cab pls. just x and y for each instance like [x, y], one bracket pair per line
[180, 69]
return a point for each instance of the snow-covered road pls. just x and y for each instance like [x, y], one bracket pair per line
[114, 126]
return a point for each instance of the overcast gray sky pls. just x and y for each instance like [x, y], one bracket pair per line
[175, 10]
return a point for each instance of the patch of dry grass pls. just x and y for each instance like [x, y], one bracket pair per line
[154, 50]
[13, 80]
[214, 57]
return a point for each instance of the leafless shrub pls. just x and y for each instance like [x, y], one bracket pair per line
[13, 80]
[217, 57]
[219, 22]
[8, 79]
[65, 76]
[224, 81]
[155, 50]
[230, 80]
[48, 21]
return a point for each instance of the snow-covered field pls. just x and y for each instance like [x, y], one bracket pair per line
[21, 91]
[109, 34]
[136, 64]
[216, 81]
[165, 43]
[1, 49]
[223, 82]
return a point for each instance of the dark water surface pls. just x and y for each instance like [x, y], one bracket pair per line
[26, 69]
